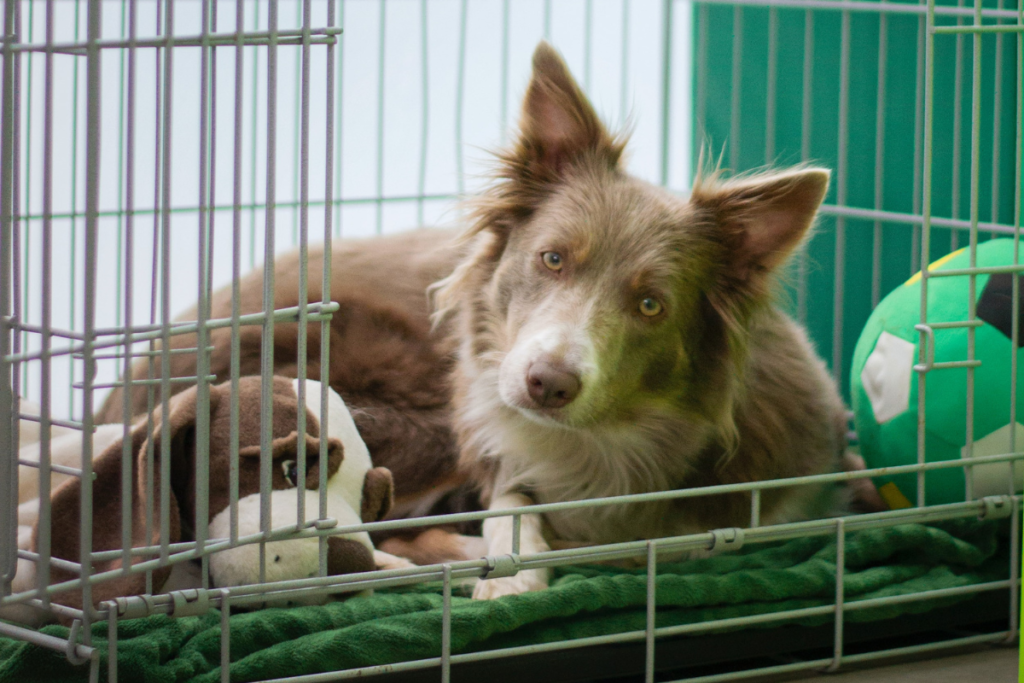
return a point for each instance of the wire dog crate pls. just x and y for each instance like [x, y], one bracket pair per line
[147, 143]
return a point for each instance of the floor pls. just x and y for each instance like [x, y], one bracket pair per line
[995, 665]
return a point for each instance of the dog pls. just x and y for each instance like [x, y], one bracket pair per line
[590, 335]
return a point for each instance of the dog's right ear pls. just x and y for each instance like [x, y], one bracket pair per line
[760, 219]
[558, 124]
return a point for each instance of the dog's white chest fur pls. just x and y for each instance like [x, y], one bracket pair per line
[555, 464]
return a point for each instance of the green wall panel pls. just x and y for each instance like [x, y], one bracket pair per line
[720, 27]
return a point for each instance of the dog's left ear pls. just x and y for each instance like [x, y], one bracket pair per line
[761, 219]
[558, 123]
[378, 494]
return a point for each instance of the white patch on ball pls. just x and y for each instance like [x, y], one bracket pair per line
[993, 479]
[886, 376]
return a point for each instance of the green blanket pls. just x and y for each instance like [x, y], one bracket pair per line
[402, 625]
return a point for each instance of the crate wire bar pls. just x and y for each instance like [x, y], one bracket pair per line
[320, 200]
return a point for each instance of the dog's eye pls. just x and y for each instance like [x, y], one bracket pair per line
[650, 307]
[552, 259]
[290, 471]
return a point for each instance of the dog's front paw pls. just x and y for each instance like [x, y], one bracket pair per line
[385, 560]
[523, 582]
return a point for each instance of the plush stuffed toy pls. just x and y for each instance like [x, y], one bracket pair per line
[357, 492]
[65, 451]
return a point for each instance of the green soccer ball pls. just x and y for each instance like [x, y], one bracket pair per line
[884, 383]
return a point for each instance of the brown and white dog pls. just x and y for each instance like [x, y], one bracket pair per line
[594, 335]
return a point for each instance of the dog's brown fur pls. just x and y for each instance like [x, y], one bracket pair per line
[385, 361]
[718, 387]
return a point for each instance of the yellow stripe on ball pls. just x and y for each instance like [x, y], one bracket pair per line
[894, 497]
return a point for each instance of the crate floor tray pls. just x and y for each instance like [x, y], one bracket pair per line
[583, 602]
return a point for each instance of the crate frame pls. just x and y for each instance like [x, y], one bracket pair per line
[90, 342]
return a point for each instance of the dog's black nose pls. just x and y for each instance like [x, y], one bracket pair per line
[551, 386]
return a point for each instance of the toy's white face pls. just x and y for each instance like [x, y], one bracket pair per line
[340, 425]
[297, 558]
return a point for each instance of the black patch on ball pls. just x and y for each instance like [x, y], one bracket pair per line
[996, 306]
